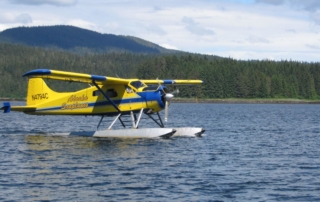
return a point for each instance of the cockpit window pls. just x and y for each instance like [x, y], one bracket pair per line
[129, 90]
[137, 84]
[151, 88]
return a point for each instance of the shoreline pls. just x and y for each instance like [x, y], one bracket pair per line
[245, 101]
[12, 99]
[226, 101]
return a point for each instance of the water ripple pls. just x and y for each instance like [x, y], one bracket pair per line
[249, 153]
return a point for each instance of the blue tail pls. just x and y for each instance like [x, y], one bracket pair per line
[6, 107]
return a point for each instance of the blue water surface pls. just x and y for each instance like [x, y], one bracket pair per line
[249, 152]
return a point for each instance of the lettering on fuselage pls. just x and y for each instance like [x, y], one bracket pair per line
[75, 98]
[40, 96]
[76, 105]
[74, 102]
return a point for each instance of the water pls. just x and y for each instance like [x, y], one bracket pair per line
[250, 152]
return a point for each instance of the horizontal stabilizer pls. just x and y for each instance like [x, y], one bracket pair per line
[8, 108]
[23, 108]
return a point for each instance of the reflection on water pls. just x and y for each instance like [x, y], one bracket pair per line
[249, 153]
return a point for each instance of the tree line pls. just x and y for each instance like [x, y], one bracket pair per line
[223, 77]
[229, 78]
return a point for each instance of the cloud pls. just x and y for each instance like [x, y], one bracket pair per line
[314, 47]
[9, 18]
[82, 23]
[24, 18]
[155, 29]
[157, 8]
[291, 30]
[251, 29]
[41, 2]
[309, 5]
[255, 39]
[316, 17]
[273, 2]
[196, 28]
[167, 46]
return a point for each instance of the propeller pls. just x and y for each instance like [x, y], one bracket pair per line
[167, 97]
[176, 91]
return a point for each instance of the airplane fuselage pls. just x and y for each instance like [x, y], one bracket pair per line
[90, 101]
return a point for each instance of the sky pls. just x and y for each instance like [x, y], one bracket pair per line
[240, 29]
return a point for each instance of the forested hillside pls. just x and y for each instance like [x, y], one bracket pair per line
[228, 78]
[223, 77]
[78, 40]
[15, 60]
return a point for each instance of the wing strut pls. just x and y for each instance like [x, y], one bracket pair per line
[106, 96]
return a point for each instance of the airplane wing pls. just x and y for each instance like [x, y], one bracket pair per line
[75, 77]
[88, 78]
[172, 82]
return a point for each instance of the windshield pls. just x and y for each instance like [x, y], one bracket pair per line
[137, 84]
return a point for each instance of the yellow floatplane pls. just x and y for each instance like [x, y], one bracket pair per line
[106, 97]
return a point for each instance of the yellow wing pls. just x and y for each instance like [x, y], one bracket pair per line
[75, 77]
[172, 82]
[89, 78]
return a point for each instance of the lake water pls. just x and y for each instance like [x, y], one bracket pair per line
[250, 152]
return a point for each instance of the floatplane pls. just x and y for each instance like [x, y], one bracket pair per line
[106, 97]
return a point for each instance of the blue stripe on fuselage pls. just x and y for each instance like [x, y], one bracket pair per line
[144, 96]
[152, 96]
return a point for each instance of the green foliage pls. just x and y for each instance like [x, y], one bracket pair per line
[78, 40]
[15, 60]
[228, 78]
[223, 77]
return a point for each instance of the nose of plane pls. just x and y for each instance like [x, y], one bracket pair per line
[168, 97]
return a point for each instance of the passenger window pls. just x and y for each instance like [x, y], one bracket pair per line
[112, 93]
[96, 93]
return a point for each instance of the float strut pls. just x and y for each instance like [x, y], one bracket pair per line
[114, 121]
[162, 125]
[135, 121]
[100, 122]
[139, 117]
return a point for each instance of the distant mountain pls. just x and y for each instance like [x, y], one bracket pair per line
[79, 40]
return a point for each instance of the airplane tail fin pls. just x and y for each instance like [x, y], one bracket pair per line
[38, 92]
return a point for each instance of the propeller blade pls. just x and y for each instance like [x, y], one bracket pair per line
[168, 97]
[166, 111]
[175, 92]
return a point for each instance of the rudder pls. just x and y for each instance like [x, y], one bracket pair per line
[38, 91]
